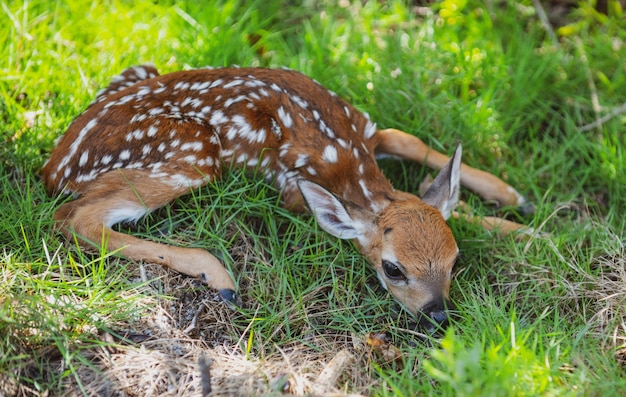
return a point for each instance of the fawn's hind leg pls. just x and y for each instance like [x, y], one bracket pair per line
[122, 195]
[491, 188]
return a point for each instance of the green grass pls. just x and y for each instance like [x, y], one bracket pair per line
[536, 317]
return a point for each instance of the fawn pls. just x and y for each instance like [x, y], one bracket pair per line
[148, 139]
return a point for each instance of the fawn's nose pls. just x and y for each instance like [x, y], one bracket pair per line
[434, 316]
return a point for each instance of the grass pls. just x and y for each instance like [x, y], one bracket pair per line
[545, 316]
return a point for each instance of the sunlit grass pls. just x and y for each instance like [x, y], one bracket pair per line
[537, 317]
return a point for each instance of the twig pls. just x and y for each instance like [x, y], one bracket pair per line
[599, 122]
[545, 23]
[194, 320]
[327, 379]
[205, 374]
[595, 100]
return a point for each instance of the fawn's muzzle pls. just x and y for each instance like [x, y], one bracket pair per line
[434, 316]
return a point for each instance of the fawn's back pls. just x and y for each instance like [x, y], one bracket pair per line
[185, 127]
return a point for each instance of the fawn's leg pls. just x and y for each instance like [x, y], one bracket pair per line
[122, 195]
[489, 187]
[501, 226]
[398, 143]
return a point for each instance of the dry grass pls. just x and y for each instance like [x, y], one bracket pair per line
[160, 353]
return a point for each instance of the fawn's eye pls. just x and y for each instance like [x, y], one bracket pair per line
[392, 271]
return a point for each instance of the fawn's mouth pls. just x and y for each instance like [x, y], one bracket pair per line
[435, 317]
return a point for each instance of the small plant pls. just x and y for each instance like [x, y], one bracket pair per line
[512, 365]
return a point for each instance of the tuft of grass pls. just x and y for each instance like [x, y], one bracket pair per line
[544, 316]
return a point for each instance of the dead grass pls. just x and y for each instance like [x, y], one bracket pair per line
[593, 285]
[159, 353]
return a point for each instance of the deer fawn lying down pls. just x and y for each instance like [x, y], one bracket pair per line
[148, 139]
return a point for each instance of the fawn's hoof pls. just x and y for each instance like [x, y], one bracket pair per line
[526, 208]
[230, 297]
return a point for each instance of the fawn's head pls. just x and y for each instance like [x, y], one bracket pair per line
[408, 242]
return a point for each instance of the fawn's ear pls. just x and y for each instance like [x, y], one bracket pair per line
[332, 215]
[443, 193]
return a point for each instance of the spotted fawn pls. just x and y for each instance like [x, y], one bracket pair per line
[148, 139]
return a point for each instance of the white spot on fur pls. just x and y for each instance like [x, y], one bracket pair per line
[330, 154]
[265, 162]
[343, 143]
[143, 91]
[230, 101]
[284, 149]
[254, 83]
[74, 146]
[178, 180]
[216, 83]
[140, 71]
[261, 135]
[299, 101]
[366, 191]
[218, 118]
[138, 134]
[182, 85]
[195, 146]
[191, 159]
[156, 166]
[83, 158]
[301, 160]
[326, 130]
[242, 158]
[128, 211]
[233, 83]
[370, 129]
[160, 89]
[285, 117]
[138, 117]
[242, 128]
[136, 164]
[87, 177]
[200, 86]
